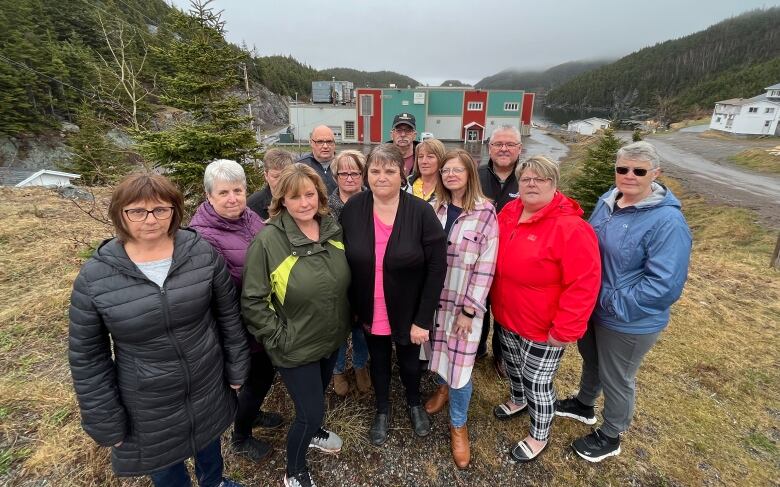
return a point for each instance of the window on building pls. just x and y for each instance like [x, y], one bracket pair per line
[769, 110]
[366, 105]
[753, 110]
[349, 129]
[767, 123]
[474, 106]
[511, 106]
[718, 119]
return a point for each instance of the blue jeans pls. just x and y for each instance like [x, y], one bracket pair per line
[359, 352]
[459, 402]
[208, 469]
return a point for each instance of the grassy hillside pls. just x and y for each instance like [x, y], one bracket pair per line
[706, 414]
[512, 79]
[691, 67]
[373, 79]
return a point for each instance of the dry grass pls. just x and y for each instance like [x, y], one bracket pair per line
[707, 412]
[759, 159]
[690, 123]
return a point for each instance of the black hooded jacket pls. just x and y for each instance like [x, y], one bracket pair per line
[165, 391]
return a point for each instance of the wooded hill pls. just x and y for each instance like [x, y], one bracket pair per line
[734, 58]
[53, 59]
[512, 79]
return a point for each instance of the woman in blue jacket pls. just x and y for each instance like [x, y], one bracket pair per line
[645, 246]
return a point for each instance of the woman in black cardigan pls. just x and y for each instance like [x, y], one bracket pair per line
[396, 250]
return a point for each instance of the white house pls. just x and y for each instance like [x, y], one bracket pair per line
[45, 177]
[589, 126]
[340, 118]
[754, 116]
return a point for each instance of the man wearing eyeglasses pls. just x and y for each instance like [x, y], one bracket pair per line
[404, 135]
[499, 183]
[323, 148]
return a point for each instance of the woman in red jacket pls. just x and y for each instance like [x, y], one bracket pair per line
[546, 283]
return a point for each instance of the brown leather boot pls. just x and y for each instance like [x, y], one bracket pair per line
[363, 380]
[436, 402]
[340, 384]
[461, 451]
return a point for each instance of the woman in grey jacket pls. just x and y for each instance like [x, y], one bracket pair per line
[157, 348]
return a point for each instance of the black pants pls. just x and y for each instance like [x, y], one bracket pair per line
[252, 394]
[495, 342]
[306, 385]
[380, 348]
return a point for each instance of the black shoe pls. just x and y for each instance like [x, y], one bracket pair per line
[421, 422]
[571, 407]
[377, 435]
[267, 420]
[301, 479]
[596, 446]
[252, 449]
[522, 452]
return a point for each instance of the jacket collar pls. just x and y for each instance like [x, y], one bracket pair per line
[112, 252]
[286, 223]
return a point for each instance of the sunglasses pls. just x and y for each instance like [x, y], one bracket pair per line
[638, 171]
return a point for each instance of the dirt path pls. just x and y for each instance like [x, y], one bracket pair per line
[702, 164]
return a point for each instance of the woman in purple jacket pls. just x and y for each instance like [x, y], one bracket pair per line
[227, 224]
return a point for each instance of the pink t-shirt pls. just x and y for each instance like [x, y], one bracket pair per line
[381, 324]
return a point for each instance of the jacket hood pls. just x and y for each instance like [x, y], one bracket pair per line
[561, 205]
[659, 196]
[112, 252]
[284, 222]
[206, 216]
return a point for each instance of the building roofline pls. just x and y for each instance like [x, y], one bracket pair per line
[47, 171]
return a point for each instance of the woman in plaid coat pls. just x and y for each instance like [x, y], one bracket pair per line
[469, 220]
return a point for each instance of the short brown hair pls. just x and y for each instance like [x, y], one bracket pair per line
[542, 166]
[144, 187]
[277, 159]
[473, 187]
[291, 181]
[385, 154]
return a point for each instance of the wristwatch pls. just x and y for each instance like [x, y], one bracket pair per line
[467, 314]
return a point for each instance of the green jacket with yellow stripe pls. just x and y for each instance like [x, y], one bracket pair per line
[294, 297]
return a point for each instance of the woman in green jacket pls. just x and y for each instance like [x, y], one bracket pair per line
[294, 299]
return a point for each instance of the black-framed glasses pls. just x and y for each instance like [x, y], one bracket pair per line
[508, 145]
[454, 170]
[324, 142]
[140, 214]
[537, 181]
[347, 175]
[638, 171]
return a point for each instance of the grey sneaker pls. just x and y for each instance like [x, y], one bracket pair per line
[301, 479]
[327, 441]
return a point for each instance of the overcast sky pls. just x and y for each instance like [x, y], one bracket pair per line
[435, 40]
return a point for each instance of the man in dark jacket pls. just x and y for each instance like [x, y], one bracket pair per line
[404, 135]
[323, 148]
[274, 162]
[499, 183]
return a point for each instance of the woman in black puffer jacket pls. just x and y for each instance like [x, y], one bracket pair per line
[162, 299]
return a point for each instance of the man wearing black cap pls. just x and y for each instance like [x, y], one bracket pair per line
[404, 134]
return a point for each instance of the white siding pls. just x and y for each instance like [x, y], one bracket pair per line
[492, 123]
[743, 121]
[304, 118]
[444, 128]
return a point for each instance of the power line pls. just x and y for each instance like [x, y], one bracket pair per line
[151, 22]
[28, 68]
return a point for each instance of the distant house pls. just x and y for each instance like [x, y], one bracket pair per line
[589, 126]
[752, 116]
[27, 177]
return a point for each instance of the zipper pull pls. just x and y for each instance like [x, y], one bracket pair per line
[162, 290]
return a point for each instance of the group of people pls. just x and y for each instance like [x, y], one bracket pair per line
[177, 332]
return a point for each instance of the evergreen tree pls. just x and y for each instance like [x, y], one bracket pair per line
[636, 135]
[205, 71]
[598, 172]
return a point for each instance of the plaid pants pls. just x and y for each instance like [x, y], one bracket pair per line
[531, 367]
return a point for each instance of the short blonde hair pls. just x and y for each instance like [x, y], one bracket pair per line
[542, 166]
[433, 146]
[291, 180]
[349, 155]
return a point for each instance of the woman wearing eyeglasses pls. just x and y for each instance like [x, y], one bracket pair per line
[156, 344]
[429, 155]
[645, 247]
[546, 283]
[469, 220]
[348, 167]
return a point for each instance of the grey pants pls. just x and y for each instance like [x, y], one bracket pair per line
[610, 361]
